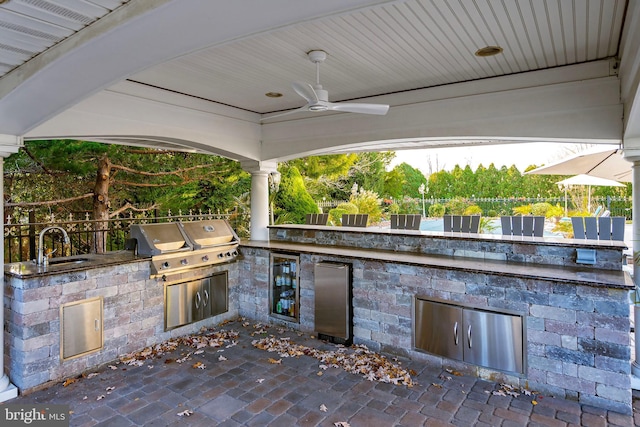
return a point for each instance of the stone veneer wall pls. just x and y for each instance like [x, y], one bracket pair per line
[578, 344]
[518, 249]
[133, 314]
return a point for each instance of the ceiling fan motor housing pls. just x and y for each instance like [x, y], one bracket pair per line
[316, 56]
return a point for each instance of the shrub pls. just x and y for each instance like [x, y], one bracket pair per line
[335, 215]
[522, 210]
[367, 202]
[492, 213]
[436, 210]
[473, 210]
[457, 206]
[408, 205]
[540, 209]
[555, 212]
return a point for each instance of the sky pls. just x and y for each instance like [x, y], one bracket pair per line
[521, 155]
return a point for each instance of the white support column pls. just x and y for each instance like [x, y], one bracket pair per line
[635, 194]
[8, 145]
[260, 172]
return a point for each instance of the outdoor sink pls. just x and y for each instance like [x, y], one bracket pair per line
[64, 261]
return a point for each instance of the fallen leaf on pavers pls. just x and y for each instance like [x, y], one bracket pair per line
[358, 359]
[110, 389]
[455, 373]
[323, 367]
[436, 385]
[222, 358]
[199, 365]
[342, 424]
[233, 344]
[533, 402]
[185, 413]
[260, 380]
[275, 361]
[319, 373]
[527, 392]
[68, 381]
[102, 396]
[85, 398]
[113, 368]
[198, 352]
[169, 361]
[499, 393]
[323, 408]
[245, 324]
[150, 366]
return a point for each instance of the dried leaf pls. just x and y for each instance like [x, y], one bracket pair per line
[199, 365]
[222, 358]
[533, 402]
[102, 396]
[274, 361]
[110, 389]
[185, 413]
[113, 368]
[198, 352]
[342, 424]
[260, 380]
[436, 385]
[499, 393]
[68, 381]
[323, 408]
[319, 373]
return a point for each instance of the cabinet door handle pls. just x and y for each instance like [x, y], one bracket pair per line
[198, 299]
[206, 298]
[455, 333]
[96, 324]
[469, 335]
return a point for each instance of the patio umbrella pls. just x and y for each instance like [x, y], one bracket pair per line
[589, 181]
[607, 164]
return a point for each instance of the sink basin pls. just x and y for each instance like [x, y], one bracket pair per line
[63, 261]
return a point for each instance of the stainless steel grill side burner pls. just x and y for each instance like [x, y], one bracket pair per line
[179, 246]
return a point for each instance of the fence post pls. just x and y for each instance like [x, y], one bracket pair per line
[32, 235]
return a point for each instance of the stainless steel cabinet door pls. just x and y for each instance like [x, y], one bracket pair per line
[438, 329]
[493, 340]
[81, 327]
[179, 305]
[218, 294]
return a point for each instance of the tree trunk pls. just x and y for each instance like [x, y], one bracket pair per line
[101, 205]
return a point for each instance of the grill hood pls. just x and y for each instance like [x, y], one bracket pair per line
[178, 246]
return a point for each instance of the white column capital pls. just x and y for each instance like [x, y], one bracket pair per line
[9, 144]
[255, 166]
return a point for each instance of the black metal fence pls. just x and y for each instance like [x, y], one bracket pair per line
[21, 235]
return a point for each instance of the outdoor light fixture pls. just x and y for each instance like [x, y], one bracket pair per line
[274, 180]
[488, 51]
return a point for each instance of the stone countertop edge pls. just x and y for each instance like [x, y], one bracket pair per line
[29, 269]
[600, 278]
[546, 241]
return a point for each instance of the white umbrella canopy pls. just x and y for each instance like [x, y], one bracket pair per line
[589, 181]
[607, 164]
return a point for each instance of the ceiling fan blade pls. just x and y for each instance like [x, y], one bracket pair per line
[306, 91]
[351, 107]
[286, 113]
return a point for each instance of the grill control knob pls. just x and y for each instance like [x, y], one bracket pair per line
[184, 262]
[220, 255]
[227, 254]
[165, 264]
[205, 258]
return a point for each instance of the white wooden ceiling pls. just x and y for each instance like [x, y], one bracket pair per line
[393, 47]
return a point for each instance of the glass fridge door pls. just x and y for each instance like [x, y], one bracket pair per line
[284, 290]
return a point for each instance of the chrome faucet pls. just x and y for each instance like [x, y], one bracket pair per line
[42, 258]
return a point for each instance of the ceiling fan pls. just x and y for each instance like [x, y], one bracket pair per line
[318, 98]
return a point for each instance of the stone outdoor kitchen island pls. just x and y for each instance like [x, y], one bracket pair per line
[574, 317]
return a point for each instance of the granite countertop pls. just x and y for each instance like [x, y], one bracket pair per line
[70, 264]
[598, 278]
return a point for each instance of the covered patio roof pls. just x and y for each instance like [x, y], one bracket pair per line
[193, 75]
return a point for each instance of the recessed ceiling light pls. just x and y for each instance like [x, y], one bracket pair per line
[489, 51]
[273, 94]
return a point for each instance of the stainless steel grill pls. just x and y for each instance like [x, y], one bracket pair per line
[178, 246]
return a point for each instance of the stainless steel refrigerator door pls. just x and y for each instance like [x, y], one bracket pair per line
[493, 340]
[332, 300]
[438, 329]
